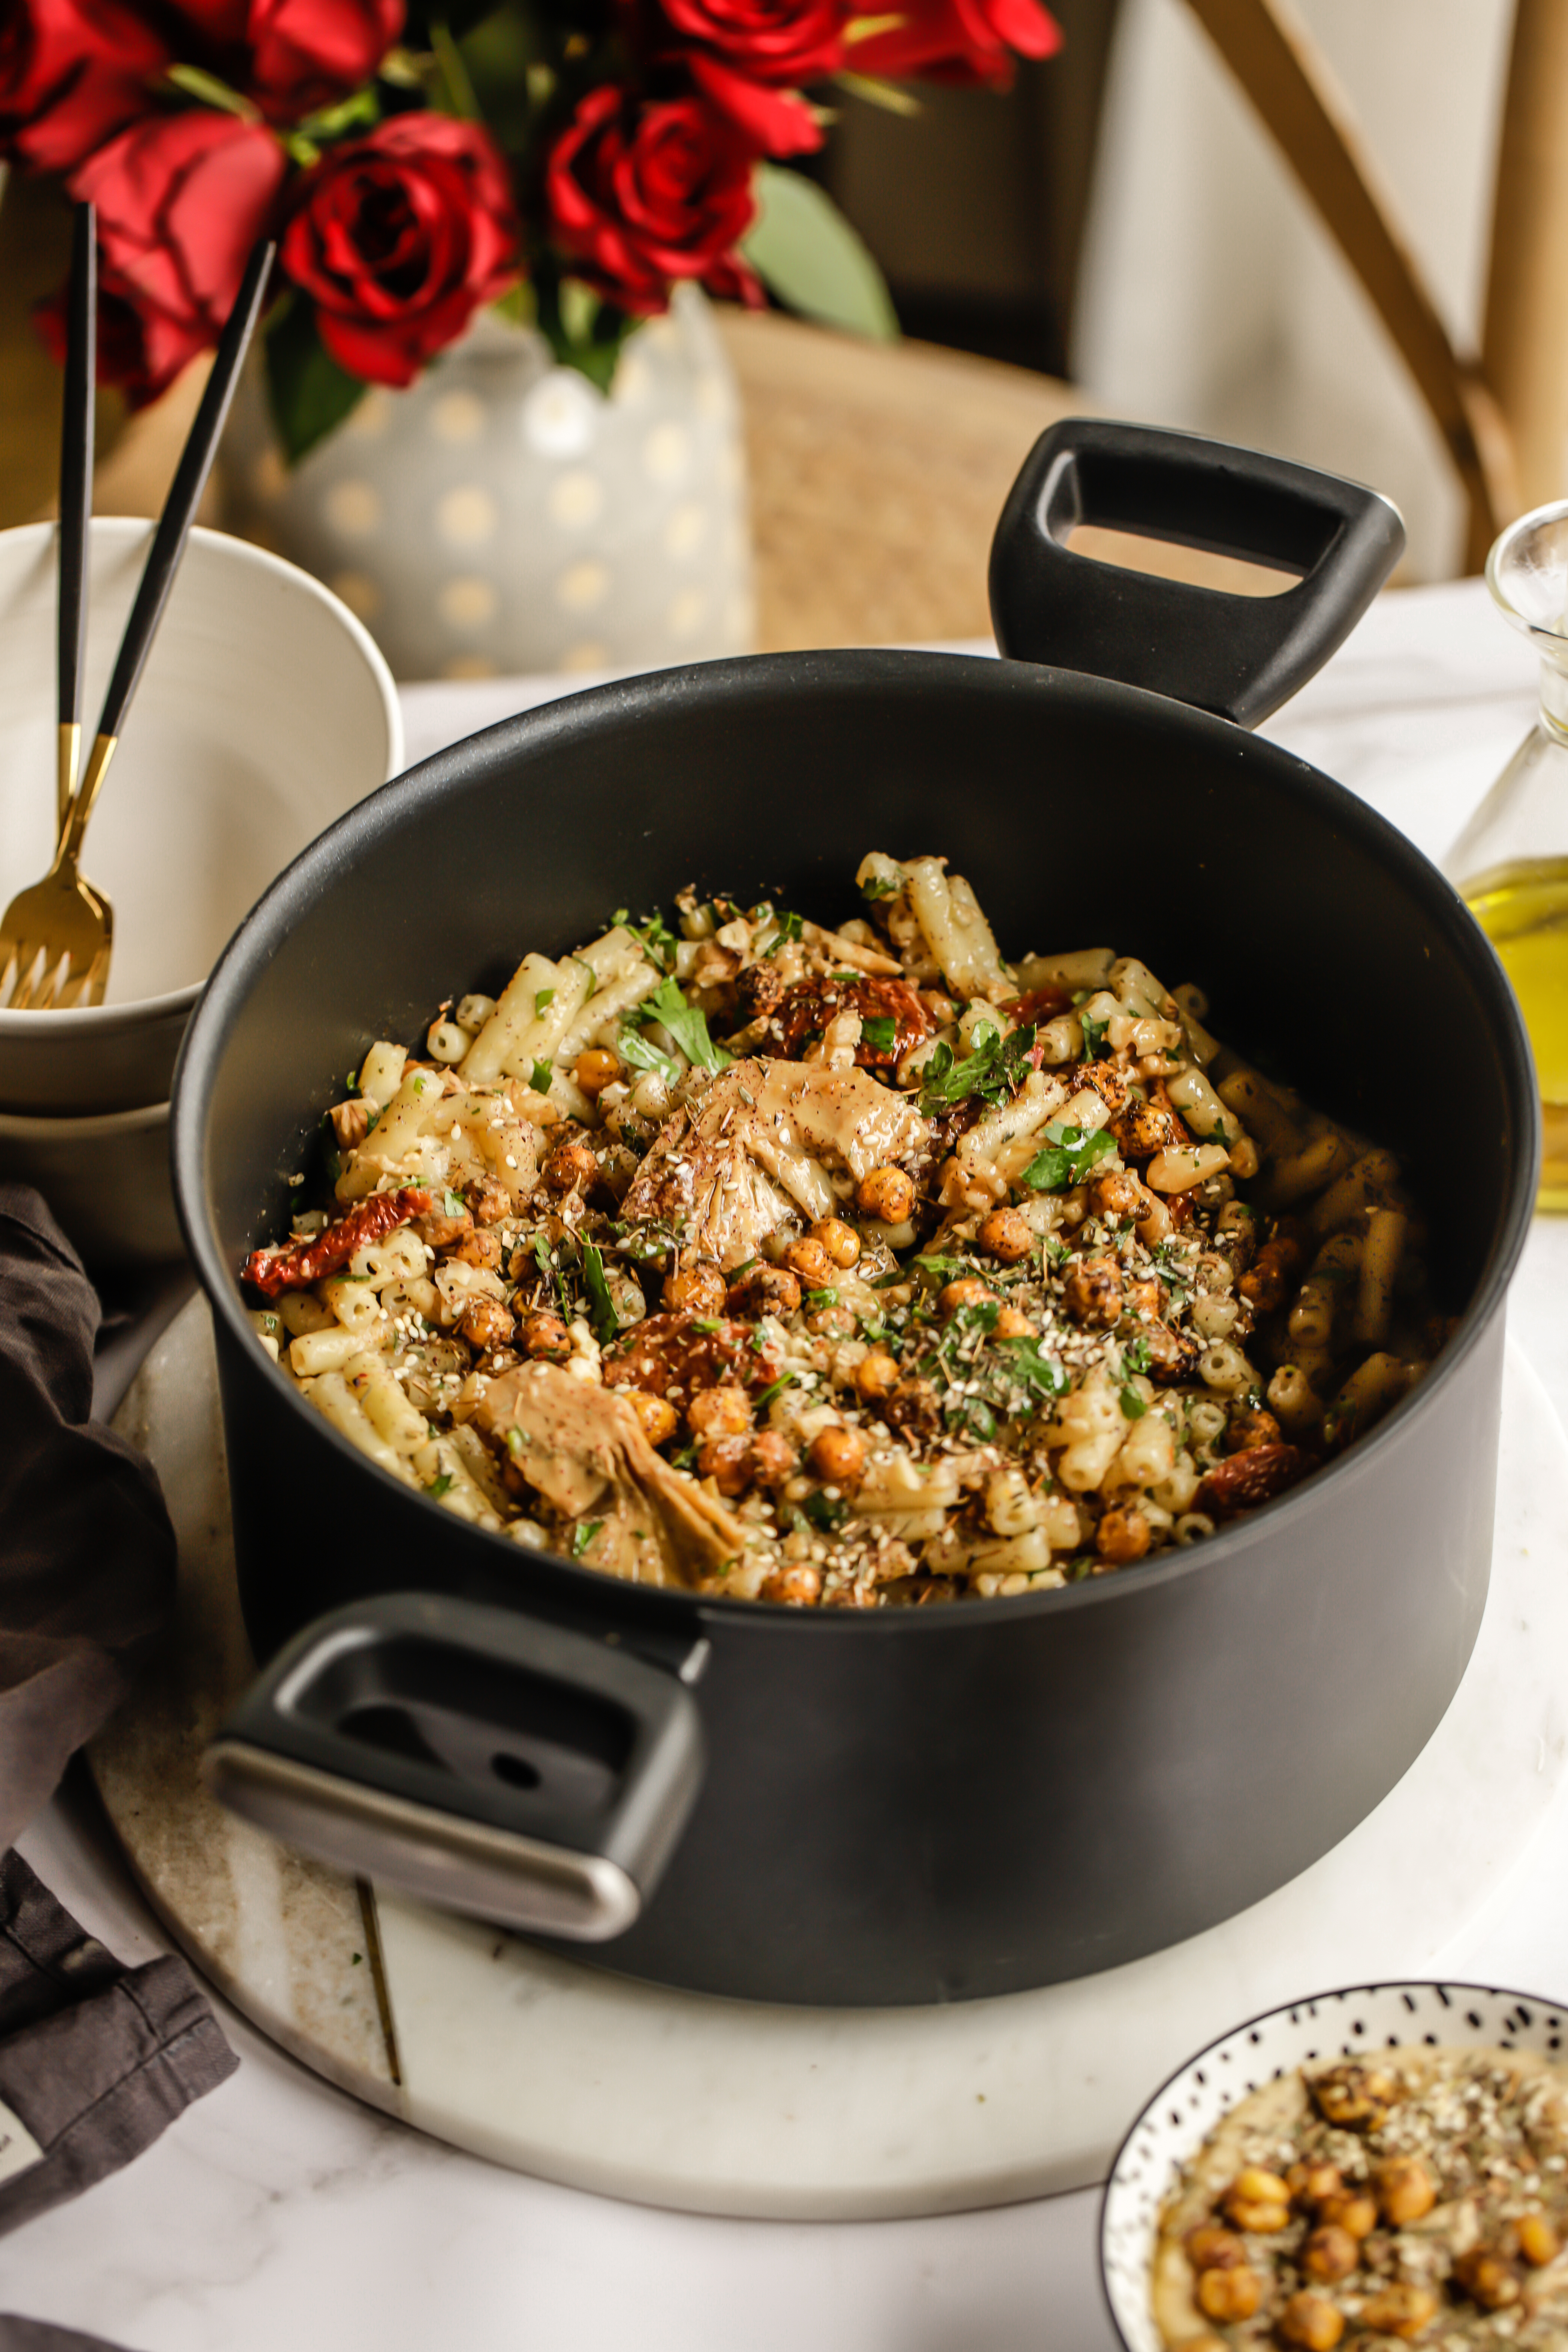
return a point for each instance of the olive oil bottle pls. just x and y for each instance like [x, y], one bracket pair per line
[1510, 863]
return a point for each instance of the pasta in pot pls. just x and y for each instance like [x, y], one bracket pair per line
[847, 1268]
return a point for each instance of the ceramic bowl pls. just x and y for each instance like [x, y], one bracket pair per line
[106, 1178]
[265, 712]
[1345, 2024]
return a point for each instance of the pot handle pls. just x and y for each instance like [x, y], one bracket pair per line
[1239, 656]
[478, 1758]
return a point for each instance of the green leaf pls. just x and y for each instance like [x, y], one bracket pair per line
[995, 1070]
[1028, 1363]
[687, 1024]
[601, 1307]
[540, 1077]
[456, 1206]
[805, 252]
[1132, 1404]
[643, 1054]
[309, 393]
[583, 1535]
[1068, 1159]
[436, 1487]
[826, 1511]
[1093, 1036]
[879, 1035]
[543, 998]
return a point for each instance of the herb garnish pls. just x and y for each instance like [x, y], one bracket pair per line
[583, 1535]
[826, 1511]
[540, 1077]
[1093, 1036]
[995, 1070]
[601, 1306]
[643, 1054]
[436, 1487]
[1132, 1404]
[543, 998]
[879, 1033]
[687, 1024]
[455, 1205]
[1069, 1156]
[880, 885]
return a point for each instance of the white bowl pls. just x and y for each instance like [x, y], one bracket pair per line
[264, 713]
[105, 1178]
[1345, 2024]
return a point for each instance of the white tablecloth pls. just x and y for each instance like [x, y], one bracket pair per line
[280, 2213]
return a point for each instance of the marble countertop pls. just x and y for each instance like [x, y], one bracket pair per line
[281, 2210]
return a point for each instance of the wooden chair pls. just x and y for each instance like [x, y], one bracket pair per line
[1502, 411]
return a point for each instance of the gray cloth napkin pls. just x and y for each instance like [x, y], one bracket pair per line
[38, 2336]
[87, 1552]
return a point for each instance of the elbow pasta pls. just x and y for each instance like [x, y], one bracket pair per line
[873, 1270]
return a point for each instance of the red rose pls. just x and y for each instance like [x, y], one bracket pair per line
[293, 55]
[641, 192]
[72, 73]
[959, 40]
[182, 199]
[398, 237]
[749, 57]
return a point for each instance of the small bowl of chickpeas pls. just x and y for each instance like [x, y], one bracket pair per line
[1374, 2166]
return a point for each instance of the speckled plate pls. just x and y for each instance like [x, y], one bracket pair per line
[1345, 2024]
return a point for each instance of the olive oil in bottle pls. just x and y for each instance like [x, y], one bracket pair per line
[1523, 910]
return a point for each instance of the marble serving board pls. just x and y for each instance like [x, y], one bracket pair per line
[567, 2070]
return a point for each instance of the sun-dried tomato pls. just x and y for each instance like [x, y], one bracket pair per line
[1250, 1478]
[296, 1267]
[1039, 1004]
[689, 1352]
[804, 1011]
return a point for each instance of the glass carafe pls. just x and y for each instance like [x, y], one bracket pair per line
[1510, 863]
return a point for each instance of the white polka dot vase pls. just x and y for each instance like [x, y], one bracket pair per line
[503, 517]
[1348, 2023]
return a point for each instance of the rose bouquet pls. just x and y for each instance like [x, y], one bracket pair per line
[569, 160]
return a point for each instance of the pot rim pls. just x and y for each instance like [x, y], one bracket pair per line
[305, 880]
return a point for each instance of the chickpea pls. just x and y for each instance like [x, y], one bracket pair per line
[485, 1323]
[887, 1195]
[876, 1375]
[837, 1456]
[1537, 2241]
[1007, 1235]
[595, 1069]
[965, 1291]
[841, 1242]
[1118, 1193]
[1354, 2097]
[1330, 2253]
[1311, 2321]
[1406, 2191]
[1488, 2279]
[546, 1335]
[1400, 2310]
[1353, 2209]
[1257, 2200]
[1124, 1535]
[774, 1458]
[571, 1166]
[831, 1323]
[1013, 1324]
[797, 1585]
[809, 1262]
[1229, 2296]
[1210, 2248]
[1092, 1292]
[764, 1290]
[1250, 1428]
[728, 1462]
[474, 1248]
[698, 1289]
[657, 1414]
[1311, 2183]
[723, 1411]
[489, 1201]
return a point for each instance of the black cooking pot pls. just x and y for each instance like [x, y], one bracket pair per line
[896, 1806]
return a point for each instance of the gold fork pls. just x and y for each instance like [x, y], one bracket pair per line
[56, 938]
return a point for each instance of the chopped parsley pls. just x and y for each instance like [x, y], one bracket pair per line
[658, 941]
[879, 1033]
[543, 998]
[1032, 1367]
[1135, 1355]
[541, 1078]
[583, 1535]
[456, 1206]
[880, 885]
[826, 1511]
[601, 1306]
[1093, 1036]
[817, 1299]
[593, 976]
[1132, 1404]
[687, 1024]
[773, 1389]
[1067, 1158]
[790, 928]
[707, 1325]
[643, 1054]
[995, 1070]
[439, 1487]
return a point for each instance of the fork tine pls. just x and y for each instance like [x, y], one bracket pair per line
[97, 977]
[36, 991]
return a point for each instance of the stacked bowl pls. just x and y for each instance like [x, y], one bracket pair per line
[266, 712]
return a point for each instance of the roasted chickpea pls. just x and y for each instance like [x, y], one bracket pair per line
[764, 1290]
[774, 1458]
[1401, 2310]
[1312, 2322]
[1210, 2248]
[475, 1248]
[723, 1411]
[1330, 2253]
[657, 1414]
[837, 1456]
[1488, 2279]
[1251, 1429]
[1007, 1235]
[485, 1323]
[965, 1291]
[1354, 2097]
[887, 1195]
[1537, 2241]
[797, 1585]
[1118, 1193]
[698, 1289]
[1258, 2201]
[809, 1262]
[841, 1242]
[1230, 2294]
[1310, 2183]
[1123, 1535]
[1092, 1292]
[728, 1462]
[1013, 1324]
[489, 1201]
[1406, 2191]
[1352, 2210]
[595, 1069]
[831, 1322]
[876, 1375]
[570, 1166]
[546, 1335]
